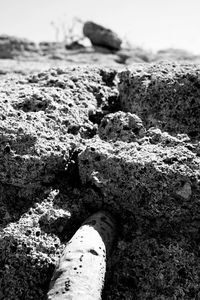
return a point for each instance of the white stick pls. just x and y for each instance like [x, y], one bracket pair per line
[81, 269]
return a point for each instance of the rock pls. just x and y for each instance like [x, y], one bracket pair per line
[53, 220]
[140, 182]
[80, 140]
[101, 36]
[43, 118]
[122, 126]
[11, 46]
[134, 55]
[164, 95]
[29, 255]
[50, 101]
[133, 168]
[186, 191]
[74, 46]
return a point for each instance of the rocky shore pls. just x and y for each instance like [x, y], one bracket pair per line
[77, 140]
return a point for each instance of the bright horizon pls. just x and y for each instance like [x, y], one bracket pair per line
[151, 24]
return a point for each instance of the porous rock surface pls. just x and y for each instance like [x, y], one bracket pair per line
[43, 118]
[121, 126]
[79, 140]
[164, 95]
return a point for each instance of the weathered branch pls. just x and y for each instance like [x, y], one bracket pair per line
[81, 269]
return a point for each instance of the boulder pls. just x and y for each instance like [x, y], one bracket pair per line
[101, 36]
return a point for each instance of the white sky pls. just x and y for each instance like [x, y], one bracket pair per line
[152, 24]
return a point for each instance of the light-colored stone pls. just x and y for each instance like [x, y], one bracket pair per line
[185, 192]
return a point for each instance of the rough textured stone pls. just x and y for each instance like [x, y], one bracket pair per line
[43, 118]
[101, 36]
[121, 126]
[59, 164]
[155, 189]
[163, 95]
[28, 254]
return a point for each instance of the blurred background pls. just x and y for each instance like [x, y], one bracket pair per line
[119, 32]
[152, 24]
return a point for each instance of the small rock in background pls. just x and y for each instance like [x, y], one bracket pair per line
[101, 36]
[11, 46]
[74, 46]
[132, 55]
[136, 180]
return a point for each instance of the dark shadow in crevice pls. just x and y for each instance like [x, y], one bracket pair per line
[108, 76]
[112, 106]
[13, 204]
[17, 200]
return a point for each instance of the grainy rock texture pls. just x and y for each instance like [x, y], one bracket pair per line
[80, 140]
[42, 121]
[101, 36]
[121, 126]
[164, 95]
[43, 118]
